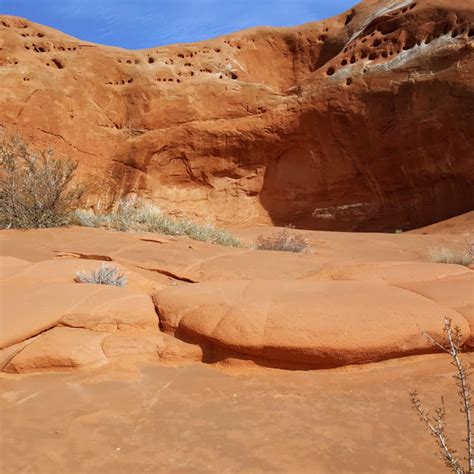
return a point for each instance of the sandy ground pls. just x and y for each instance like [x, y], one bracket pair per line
[199, 419]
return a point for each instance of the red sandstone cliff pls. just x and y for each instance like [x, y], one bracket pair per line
[364, 121]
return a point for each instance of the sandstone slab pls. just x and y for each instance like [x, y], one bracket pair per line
[60, 348]
[321, 324]
[31, 308]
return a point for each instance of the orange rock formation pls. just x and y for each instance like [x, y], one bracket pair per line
[364, 121]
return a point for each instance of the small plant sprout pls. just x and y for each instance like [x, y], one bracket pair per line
[436, 424]
[104, 275]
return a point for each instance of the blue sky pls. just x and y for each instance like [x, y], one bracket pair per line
[139, 24]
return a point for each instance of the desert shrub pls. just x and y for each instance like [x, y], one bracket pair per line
[285, 241]
[436, 424]
[464, 256]
[104, 275]
[136, 215]
[35, 187]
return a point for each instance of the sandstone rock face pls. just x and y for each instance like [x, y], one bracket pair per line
[364, 121]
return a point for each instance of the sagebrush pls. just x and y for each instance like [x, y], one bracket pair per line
[35, 187]
[104, 275]
[286, 240]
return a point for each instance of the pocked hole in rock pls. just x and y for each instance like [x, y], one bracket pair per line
[234, 76]
[151, 60]
[343, 62]
[58, 63]
[348, 81]
[353, 59]
[377, 42]
[349, 17]
[330, 71]
[372, 56]
[471, 31]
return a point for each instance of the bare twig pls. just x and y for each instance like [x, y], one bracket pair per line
[436, 427]
[436, 424]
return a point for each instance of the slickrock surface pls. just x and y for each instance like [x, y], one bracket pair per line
[364, 121]
[352, 299]
[199, 420]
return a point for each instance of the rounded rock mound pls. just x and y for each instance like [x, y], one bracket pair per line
[318, 324]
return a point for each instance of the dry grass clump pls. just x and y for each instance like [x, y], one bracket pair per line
[35, 187]
[135, 215]
[105, 275]
[463, 256]
[285, 241]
